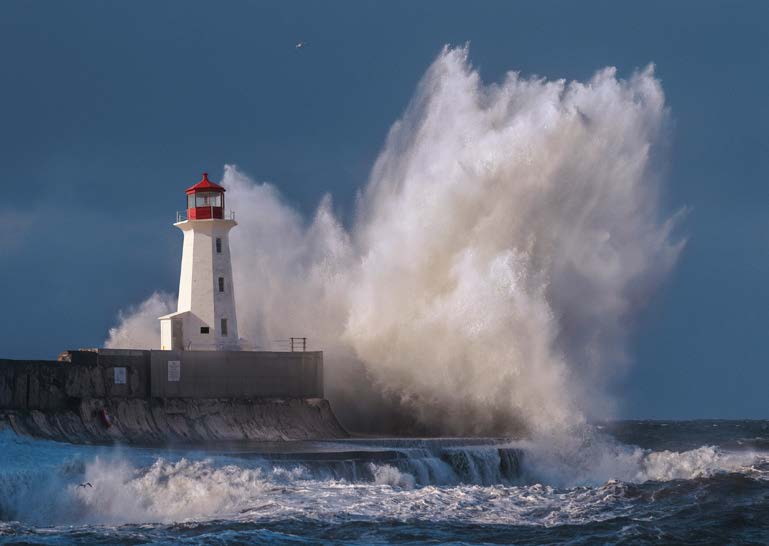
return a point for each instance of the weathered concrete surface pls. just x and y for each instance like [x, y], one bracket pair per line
[180, 420]
[238, 374]
[46, 384]
[222, 395]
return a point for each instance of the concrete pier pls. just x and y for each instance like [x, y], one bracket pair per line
[131, 396]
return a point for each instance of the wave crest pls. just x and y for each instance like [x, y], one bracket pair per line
[505, 239]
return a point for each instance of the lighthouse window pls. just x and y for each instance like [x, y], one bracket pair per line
[208, 199]
[204, 329]
[190, 201]
[221, 284]
[224, 326]
[218, 245]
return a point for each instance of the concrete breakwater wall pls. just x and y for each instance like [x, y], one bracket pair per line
[132, 396]
[181, 420]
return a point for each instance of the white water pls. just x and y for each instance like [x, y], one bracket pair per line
[183, 490]
[39, 484]
[506, 237]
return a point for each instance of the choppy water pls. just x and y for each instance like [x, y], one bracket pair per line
[704, 482]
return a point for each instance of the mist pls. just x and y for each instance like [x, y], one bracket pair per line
[506, 239]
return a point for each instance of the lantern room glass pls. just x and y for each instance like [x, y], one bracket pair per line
[208, 199]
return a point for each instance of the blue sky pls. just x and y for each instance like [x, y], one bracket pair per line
[109, 110]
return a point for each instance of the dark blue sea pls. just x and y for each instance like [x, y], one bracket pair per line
[695, 482]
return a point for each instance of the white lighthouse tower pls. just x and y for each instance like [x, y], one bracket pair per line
[205, 316]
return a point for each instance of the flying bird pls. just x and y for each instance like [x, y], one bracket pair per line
[300, 45]
[86, 484]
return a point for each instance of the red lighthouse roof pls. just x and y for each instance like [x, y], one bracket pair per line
[205, 185]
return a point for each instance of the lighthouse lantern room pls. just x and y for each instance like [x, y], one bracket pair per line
[205, 316]
[205, 200]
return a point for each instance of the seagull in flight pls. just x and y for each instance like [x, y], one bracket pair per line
[86, 484]
[300, 45]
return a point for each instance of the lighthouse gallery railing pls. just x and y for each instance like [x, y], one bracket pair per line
[181, 215]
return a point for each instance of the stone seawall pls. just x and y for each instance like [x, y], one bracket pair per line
[130, 396]
[181, 420]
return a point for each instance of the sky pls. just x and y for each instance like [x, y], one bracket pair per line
[110, 110]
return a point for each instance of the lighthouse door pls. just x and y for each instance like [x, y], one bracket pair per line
[177, 338]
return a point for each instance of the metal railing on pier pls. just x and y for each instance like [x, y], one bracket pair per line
[292, 344]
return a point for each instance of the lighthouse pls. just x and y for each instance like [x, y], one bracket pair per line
[205, 316]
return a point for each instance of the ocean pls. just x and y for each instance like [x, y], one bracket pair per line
[632, 482]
